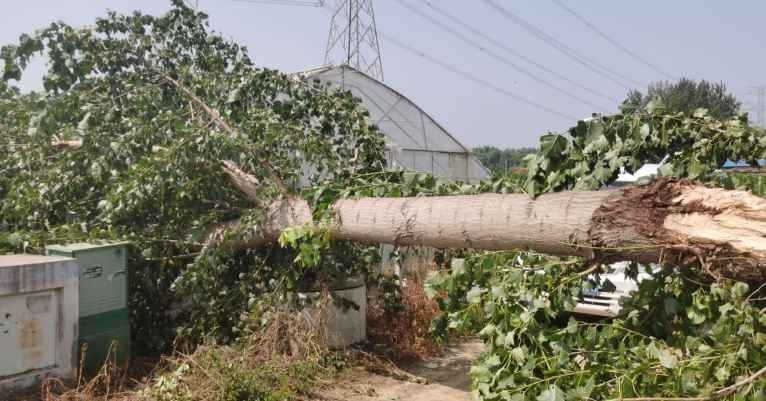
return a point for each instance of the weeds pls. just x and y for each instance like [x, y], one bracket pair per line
[284, 355]
[282, 360]
[401, 317]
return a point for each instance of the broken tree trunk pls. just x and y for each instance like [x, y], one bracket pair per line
[671, 221]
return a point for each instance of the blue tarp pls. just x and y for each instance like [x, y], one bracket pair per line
[741, 163]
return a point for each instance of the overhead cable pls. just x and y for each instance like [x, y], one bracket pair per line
[611, 40]
[502, 45]
[498, 57]
[587, 62]
[317, 3]
[474, 78]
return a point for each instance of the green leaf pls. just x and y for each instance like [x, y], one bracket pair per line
[458, 266]
[655, 106]
[492, 361]
[722, 373]
[552, 145]
[488, 330]
[695, 316]
[671, 306]
[572, 326]
[433, 281]
[474, 295]
[581, 393]
[146, 253]
[552, 393]
[667, 359]
[740, 290]
[519, 354]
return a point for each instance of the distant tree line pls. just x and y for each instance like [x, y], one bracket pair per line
[686, 96]
[502, 161]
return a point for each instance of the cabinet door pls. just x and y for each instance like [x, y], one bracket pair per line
[103, 280]
[28, 328]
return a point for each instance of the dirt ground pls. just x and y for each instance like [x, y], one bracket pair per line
[444, 378]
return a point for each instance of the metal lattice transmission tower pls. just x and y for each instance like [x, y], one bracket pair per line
[353, 38]
[760, 104]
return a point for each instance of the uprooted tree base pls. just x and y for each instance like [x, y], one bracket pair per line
[679, 222]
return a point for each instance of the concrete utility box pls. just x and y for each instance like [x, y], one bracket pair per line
[104, 318]
[38, 319]
[344, 326]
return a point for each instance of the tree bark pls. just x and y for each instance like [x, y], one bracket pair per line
[678, 222]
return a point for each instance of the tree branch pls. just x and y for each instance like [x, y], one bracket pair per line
[226, 127]
[676, 221]
[247, 183]
[736, 386]
[76, 144]
[724, 392]
[288, 212]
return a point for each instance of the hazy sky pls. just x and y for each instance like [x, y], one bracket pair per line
[714, 40]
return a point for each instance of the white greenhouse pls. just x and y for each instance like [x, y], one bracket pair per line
[414, 140]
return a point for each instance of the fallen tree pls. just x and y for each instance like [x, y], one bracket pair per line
[157, 131]
[668, 221]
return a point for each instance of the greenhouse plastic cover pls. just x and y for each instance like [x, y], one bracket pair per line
[415, 141]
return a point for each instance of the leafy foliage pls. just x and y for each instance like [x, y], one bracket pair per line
[679, 335]
[695, 340]
[686, 96]
[597, 150]
[131, 92]
[146, 164]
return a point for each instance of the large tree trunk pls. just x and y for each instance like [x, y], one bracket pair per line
[678, 222]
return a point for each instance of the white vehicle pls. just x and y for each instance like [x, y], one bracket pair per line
[607, 303]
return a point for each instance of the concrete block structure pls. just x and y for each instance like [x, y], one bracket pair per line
[39, 317]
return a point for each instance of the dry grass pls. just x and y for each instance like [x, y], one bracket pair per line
[407, 333]
[285, 360]
[278, 362]
[110, 382]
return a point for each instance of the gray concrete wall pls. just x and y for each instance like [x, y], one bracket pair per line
[39, 316]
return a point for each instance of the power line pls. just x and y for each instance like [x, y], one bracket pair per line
[510, 50]
[317, 3]
[452, 69]
[496, 56]
[760, 105]
[473, 78]
[566, 50]
[469, 76]
[611, 40]
[434, 60]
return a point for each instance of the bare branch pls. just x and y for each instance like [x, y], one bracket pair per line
[245, 182]
[75, 144]
[736, 386]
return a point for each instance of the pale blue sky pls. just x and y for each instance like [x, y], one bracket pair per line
[714, 40]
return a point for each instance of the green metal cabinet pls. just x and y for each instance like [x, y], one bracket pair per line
[104, 318]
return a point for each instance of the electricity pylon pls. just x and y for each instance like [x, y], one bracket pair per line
[353, 38]
[760, 104]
